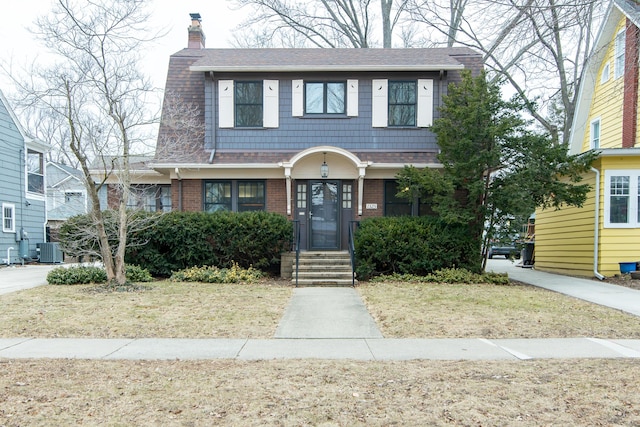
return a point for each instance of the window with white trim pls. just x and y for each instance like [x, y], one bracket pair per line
[8, 218]
[402, 103]
[619, 46]
[248, 104]
[35, 172]
[622, 199]
[594, 135]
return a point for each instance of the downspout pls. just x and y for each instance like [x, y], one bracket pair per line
[597, 226]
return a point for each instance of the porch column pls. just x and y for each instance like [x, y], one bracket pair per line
[361, 174]
[287, 175]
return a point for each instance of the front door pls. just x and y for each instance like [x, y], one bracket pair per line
[324, 232]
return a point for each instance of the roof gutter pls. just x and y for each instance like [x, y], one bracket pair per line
[321, 67]
[596, 235]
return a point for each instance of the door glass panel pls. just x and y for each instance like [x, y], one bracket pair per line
[324, 215]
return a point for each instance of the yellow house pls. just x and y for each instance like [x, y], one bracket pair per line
[593, 240]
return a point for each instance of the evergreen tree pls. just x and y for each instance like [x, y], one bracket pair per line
[496, 170]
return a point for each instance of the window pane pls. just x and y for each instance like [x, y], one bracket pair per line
[35, 178]
[402, 104]
[619, 200]
[301, 197]
[217, 196]
[248, 104]
[251, 196]
[395, 206]
[314, 98]
[335, 98]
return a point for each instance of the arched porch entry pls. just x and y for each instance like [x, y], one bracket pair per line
[324, 200]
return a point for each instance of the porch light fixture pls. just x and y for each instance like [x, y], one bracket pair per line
[324, 169]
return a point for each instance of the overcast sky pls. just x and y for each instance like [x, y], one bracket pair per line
[218, 20]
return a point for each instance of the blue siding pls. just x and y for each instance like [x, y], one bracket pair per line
[12, 190]
[299, 133]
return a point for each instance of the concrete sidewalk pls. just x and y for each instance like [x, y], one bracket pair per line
[333, 323]
[353, 349]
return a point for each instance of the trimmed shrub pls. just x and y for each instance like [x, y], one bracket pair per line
[180, 240]
[412, 245]
[76, 275]
[209, 274]
[82, 275]
[448, 275]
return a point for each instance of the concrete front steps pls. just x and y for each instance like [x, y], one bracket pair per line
[330, 268]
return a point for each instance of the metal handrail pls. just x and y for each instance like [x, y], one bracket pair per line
[353, 225]
[295, 242]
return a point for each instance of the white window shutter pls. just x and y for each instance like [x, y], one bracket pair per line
[270, 107]
[352, 98]
[379, 101]
[225, 104]
[425, 103]
[297, 98]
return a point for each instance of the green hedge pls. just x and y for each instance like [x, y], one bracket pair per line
[181, 240]
[413, 245]
[88, 274]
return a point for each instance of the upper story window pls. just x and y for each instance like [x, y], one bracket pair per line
[8, 218]
[248, 97]
[595, 134]
[402, 103]
[248, 104]
[325, 97]
[35, 172]
[313, 98]
[619, 54]
[622, 199]
[237, 196]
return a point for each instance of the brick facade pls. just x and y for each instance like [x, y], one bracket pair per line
[277, 196]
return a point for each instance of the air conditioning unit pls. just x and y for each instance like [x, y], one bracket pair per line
[50, 253]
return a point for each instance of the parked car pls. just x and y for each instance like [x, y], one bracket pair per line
[508, 250]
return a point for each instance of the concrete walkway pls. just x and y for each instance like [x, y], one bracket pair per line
[614, 296]
[326, 313]
[333, 323]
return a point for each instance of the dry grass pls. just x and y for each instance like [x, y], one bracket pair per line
[313, 392]
[326, 393]
[166, 309]
[404, 310]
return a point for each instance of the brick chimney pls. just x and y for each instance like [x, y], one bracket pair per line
[196, 35]
[630, 102]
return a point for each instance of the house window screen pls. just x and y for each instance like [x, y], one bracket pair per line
[402, 103]
[347, 196]
[251, 196]
[248, 96]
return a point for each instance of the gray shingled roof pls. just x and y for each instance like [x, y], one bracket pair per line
[238, 60]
